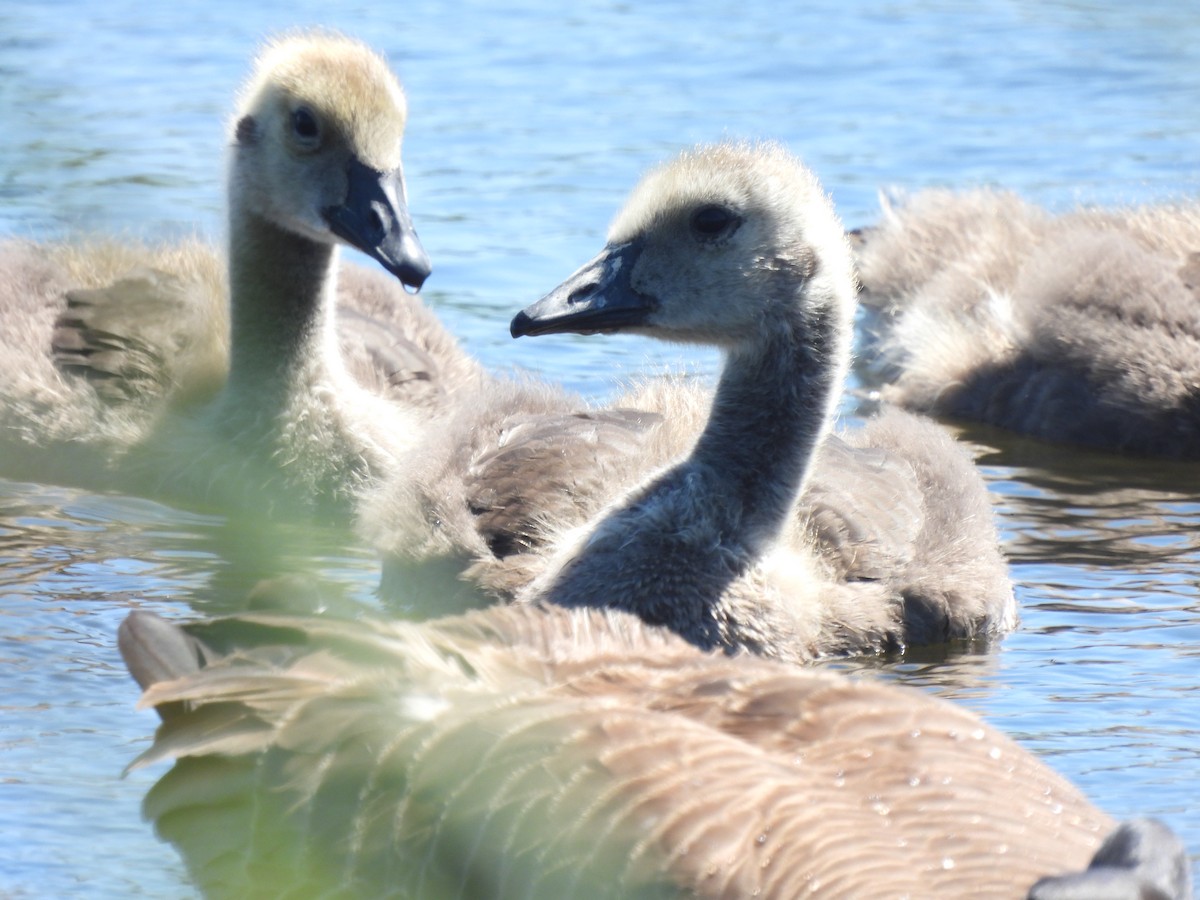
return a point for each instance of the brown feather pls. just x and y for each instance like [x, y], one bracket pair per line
[522, 751]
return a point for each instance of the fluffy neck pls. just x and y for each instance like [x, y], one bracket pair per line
[671, 551]
[772, 408]
[283, 336]
[290, 413]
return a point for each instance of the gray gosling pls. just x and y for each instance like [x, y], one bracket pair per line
[738, 246]
[314, 163]
[1080, 329]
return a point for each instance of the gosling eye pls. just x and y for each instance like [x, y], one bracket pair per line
[304, 124]
[713, 221]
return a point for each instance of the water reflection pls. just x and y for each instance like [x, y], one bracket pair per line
[81, 546]
[960, 673]
[1069, 506]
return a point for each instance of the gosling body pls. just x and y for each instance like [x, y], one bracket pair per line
[1079, 329]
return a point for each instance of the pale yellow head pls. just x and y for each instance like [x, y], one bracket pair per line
[317, 139]
[713, 247]
[349, 87]
[730, 220]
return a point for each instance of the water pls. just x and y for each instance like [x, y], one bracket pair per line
[529, 123]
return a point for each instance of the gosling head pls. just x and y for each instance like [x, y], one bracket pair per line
[316, 150]
[712, 248]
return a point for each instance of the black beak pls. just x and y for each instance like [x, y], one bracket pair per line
[375, 219]
[600, 297]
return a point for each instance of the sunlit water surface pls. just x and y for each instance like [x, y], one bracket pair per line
[529, 121]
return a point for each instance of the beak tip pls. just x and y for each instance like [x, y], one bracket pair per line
[414, 277]
[519, 327]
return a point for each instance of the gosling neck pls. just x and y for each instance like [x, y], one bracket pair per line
[773, 405]
[282, 303]
[674, 547]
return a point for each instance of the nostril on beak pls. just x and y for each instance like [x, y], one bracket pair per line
[582, 293]
[376, 221]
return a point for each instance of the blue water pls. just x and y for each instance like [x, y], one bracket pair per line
[529, 122]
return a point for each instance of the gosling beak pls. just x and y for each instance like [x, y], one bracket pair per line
[375, 219]
[599, 298]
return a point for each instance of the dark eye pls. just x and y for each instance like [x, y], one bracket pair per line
[711, 221]
[304, 123]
